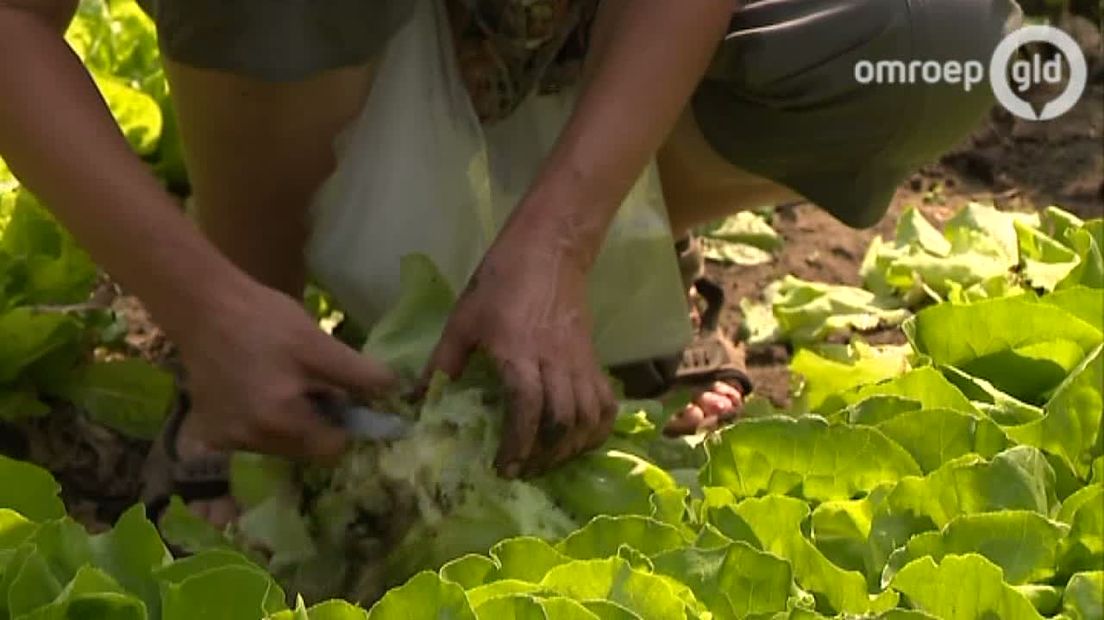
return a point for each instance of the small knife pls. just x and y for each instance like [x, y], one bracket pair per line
[364, 422]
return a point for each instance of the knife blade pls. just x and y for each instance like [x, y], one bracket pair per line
[364, 422]
[378, 426]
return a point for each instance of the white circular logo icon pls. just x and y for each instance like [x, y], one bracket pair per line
[1026, 73]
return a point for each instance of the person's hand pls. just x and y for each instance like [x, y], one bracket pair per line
[252, 372]
[526, 307]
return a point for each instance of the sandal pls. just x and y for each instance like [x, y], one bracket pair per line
[709, 358]
[167, 474]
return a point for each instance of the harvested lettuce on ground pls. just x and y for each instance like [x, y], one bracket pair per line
[742, 239]
[813, 311]
[976, 253]
[983, 253]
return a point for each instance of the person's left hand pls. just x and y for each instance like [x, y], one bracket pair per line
[526, 307]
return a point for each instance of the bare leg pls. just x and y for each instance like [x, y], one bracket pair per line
[256, 153]
[700, 186]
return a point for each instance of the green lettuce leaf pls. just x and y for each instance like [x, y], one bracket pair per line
[804, 457]
[962, 587]
[742, 239]
[14, 530]
[330, 610]
[1084, 596]
[1000, 407]
[1024, 544]
[138, 115]
[406, 335]
[277, 528]
[647, 595]
[825, 377]
[924, 385]
[777, 523]
[1016, 479]
[131, 396]
[1025, 348]
[604, 535]
[936, 436]
[606, 482]
[91, 594]
[32, 584]
[186, 531]
[8, 182]
[46, 266]
[512, 607]
[1083, 549]
[745, 227]
[1071, 426]
[1088, 244]
[118, 43]
[734, 581]
[424, 596]
[1045, 262]
[21, 404]
[1082, 302]
[498, 589]
[130, 553]
[227, 592]
[29, 337]
[29, 490]
[840, 530]
[526, 559]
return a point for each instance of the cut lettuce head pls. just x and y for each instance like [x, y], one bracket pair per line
[811, 311]
[742, 239]
[389, 511]
[977, 246]
[984, 253]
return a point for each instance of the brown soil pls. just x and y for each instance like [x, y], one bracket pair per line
[1014, 164]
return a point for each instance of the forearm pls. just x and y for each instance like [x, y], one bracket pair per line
[59, 138]
[646, 60]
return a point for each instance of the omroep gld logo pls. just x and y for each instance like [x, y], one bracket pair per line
[1010, 73]
[1026, 72]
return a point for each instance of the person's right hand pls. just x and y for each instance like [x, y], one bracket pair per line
[252, 371]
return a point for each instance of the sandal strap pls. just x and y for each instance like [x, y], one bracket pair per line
[711, 357]
[691, 260]
[714, 297]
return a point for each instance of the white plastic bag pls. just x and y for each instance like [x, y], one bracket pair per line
[418, 174]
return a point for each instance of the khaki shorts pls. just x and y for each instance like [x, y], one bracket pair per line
[780, 100]
[275, 40]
